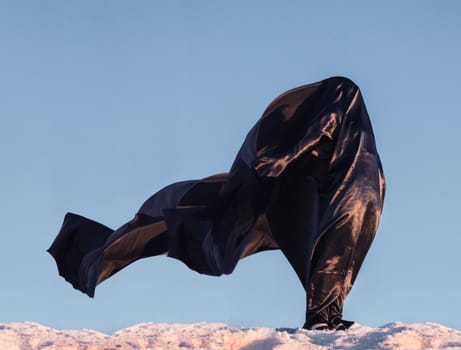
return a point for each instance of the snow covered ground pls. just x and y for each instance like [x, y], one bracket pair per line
[15, 336]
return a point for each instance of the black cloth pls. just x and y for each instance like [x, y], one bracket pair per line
[307, 180]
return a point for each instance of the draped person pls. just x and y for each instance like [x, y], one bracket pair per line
[307, 180]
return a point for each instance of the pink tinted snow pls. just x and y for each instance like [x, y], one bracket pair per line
[214, 336]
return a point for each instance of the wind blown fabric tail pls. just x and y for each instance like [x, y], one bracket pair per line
[77, 238]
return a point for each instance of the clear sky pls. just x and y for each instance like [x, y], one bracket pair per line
[91, 92]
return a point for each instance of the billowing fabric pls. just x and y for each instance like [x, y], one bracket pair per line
[307, 180]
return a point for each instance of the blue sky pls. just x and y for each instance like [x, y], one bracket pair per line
[91, 92]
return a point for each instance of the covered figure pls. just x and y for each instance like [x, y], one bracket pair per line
[307, 180]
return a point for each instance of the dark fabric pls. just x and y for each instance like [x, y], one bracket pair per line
[307, 180]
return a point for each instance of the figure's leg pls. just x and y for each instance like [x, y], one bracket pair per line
[330, 280]
[336, 261]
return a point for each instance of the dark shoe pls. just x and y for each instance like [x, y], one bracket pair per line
[340, 325]
[317, 323]
[320, 327]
